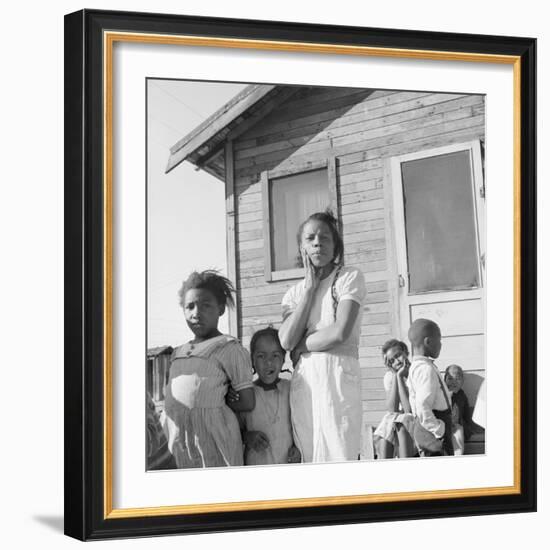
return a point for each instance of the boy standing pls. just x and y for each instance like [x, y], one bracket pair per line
[429, 397]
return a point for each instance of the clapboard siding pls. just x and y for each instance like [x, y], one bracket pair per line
[393, 144]
[444, 110]
[360, 128]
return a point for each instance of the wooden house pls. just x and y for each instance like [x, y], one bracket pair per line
[404, 172]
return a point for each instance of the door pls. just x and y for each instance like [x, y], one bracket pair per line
[439, 219]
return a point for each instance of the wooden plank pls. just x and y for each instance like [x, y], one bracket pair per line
[381, 307]
[378, 405]
[405, 118]
[251, 254]
[274, 309]
[361, 227]
[363, 185]
[254, 287]
[364, 215]
[423, 108]
[362, 150]
[375, 299]
[245, 187]
[375, 372]
[272, 125]
[250, 226]
[263, 299]
[348, 200]
[375, 267]
[367, 123]
[326, 94]
[380, 286]
[250, 271]
[261, 320]
[332, 121]
[250, 193]
[366, 256]
[231, 244]
[393, 275]
[252, 245]
[367, 175]
[425, 138]
[457, 317]
[369, 331]
[371, 363]
[375, 385]
[365, 236]
[212, 125]
[370, 351]
[278, 151]
[283, 95]
[254, 216]
[375, 319]
[333, 185]
[377, 133]
[249, 235]
[249, 207]
[359, 166]
[310, 107]
[372, 394]
[375, 340]
[364, 246]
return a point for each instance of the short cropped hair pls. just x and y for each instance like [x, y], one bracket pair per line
[422, 328]
[392, 343]
[328, 218]
[221, 287]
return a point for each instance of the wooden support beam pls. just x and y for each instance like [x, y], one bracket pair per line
[231, 243]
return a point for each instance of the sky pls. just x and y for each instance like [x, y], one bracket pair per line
[185, 208]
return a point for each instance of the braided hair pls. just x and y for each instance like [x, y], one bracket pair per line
[221, 287]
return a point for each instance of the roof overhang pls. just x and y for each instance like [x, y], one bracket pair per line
[204, 146]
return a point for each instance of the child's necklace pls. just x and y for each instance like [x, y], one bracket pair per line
[273, 417]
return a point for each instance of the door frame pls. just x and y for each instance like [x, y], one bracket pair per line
[402, 299]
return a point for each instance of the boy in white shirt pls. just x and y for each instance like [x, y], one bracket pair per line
[429, 397]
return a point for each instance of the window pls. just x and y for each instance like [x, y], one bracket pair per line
[293, 199]
[289, 198]
[440, 223]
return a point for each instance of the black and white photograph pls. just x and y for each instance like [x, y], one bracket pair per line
[315, 278]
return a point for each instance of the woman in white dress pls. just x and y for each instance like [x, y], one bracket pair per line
[322, 325]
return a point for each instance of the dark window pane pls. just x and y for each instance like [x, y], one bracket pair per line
[440, 223]
[293, 199]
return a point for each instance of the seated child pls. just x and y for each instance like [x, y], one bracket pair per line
[430, 399]
[463, 425]
[392, 436]
[267, 434]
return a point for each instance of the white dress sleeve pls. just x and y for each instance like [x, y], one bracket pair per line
[351, 286]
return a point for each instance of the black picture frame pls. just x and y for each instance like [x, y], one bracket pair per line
[85, 391]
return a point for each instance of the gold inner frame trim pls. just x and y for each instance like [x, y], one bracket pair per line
[109, 39]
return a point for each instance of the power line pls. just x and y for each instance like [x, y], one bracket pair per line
[175, 98]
